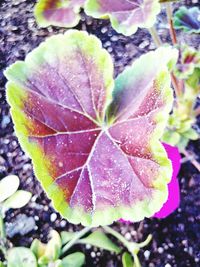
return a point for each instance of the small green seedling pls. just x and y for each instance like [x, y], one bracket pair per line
[50, 254]
[180, 129]
[54, 252]
[11, 198]
[130, 258]
[21, 257]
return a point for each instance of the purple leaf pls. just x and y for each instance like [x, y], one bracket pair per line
[125, 15]
[173, 200]
[99, 158]
[63, 13]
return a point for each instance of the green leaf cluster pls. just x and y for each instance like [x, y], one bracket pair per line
[12, 198]
[50, 254]
[180, 129]
[53, 253]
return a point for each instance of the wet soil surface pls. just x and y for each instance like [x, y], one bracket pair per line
[176, 239]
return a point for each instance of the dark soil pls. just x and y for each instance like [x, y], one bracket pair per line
[176, 239]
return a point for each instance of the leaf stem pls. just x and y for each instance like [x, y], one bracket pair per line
[155, 36]
[2, 227]
[75, 239]
[197, 112]
[2, 235]
[3, 250]
[131, 246]
[170, 21]
[176, 85]
[195, 163]
[145, 242]
[117, 235]
[158, 43]
[136, 261]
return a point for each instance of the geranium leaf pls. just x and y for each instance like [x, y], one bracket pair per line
[187, 19]
[63, 13]
[95, 170]
[125, 15]
[189, 59]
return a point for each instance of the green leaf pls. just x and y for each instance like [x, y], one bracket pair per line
[194, 80]
[99, 239]
[53, 248]
[8, 186]
[18, 200]
[183, 143]
[58, 263]
[44, 260]
[171, 137]
[67, 236]
[127, 260]
[76, 259]
[50, 252]
[21, 257]
[136, 261]
[191, 134]
[38, 248]
[185, 126]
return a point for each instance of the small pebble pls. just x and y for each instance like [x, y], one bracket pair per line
[93, 254]
[160, 250]
[104, 30]
[53, 217]
[36, 218]
[63, 223]
[147, 254]
[128, 236]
